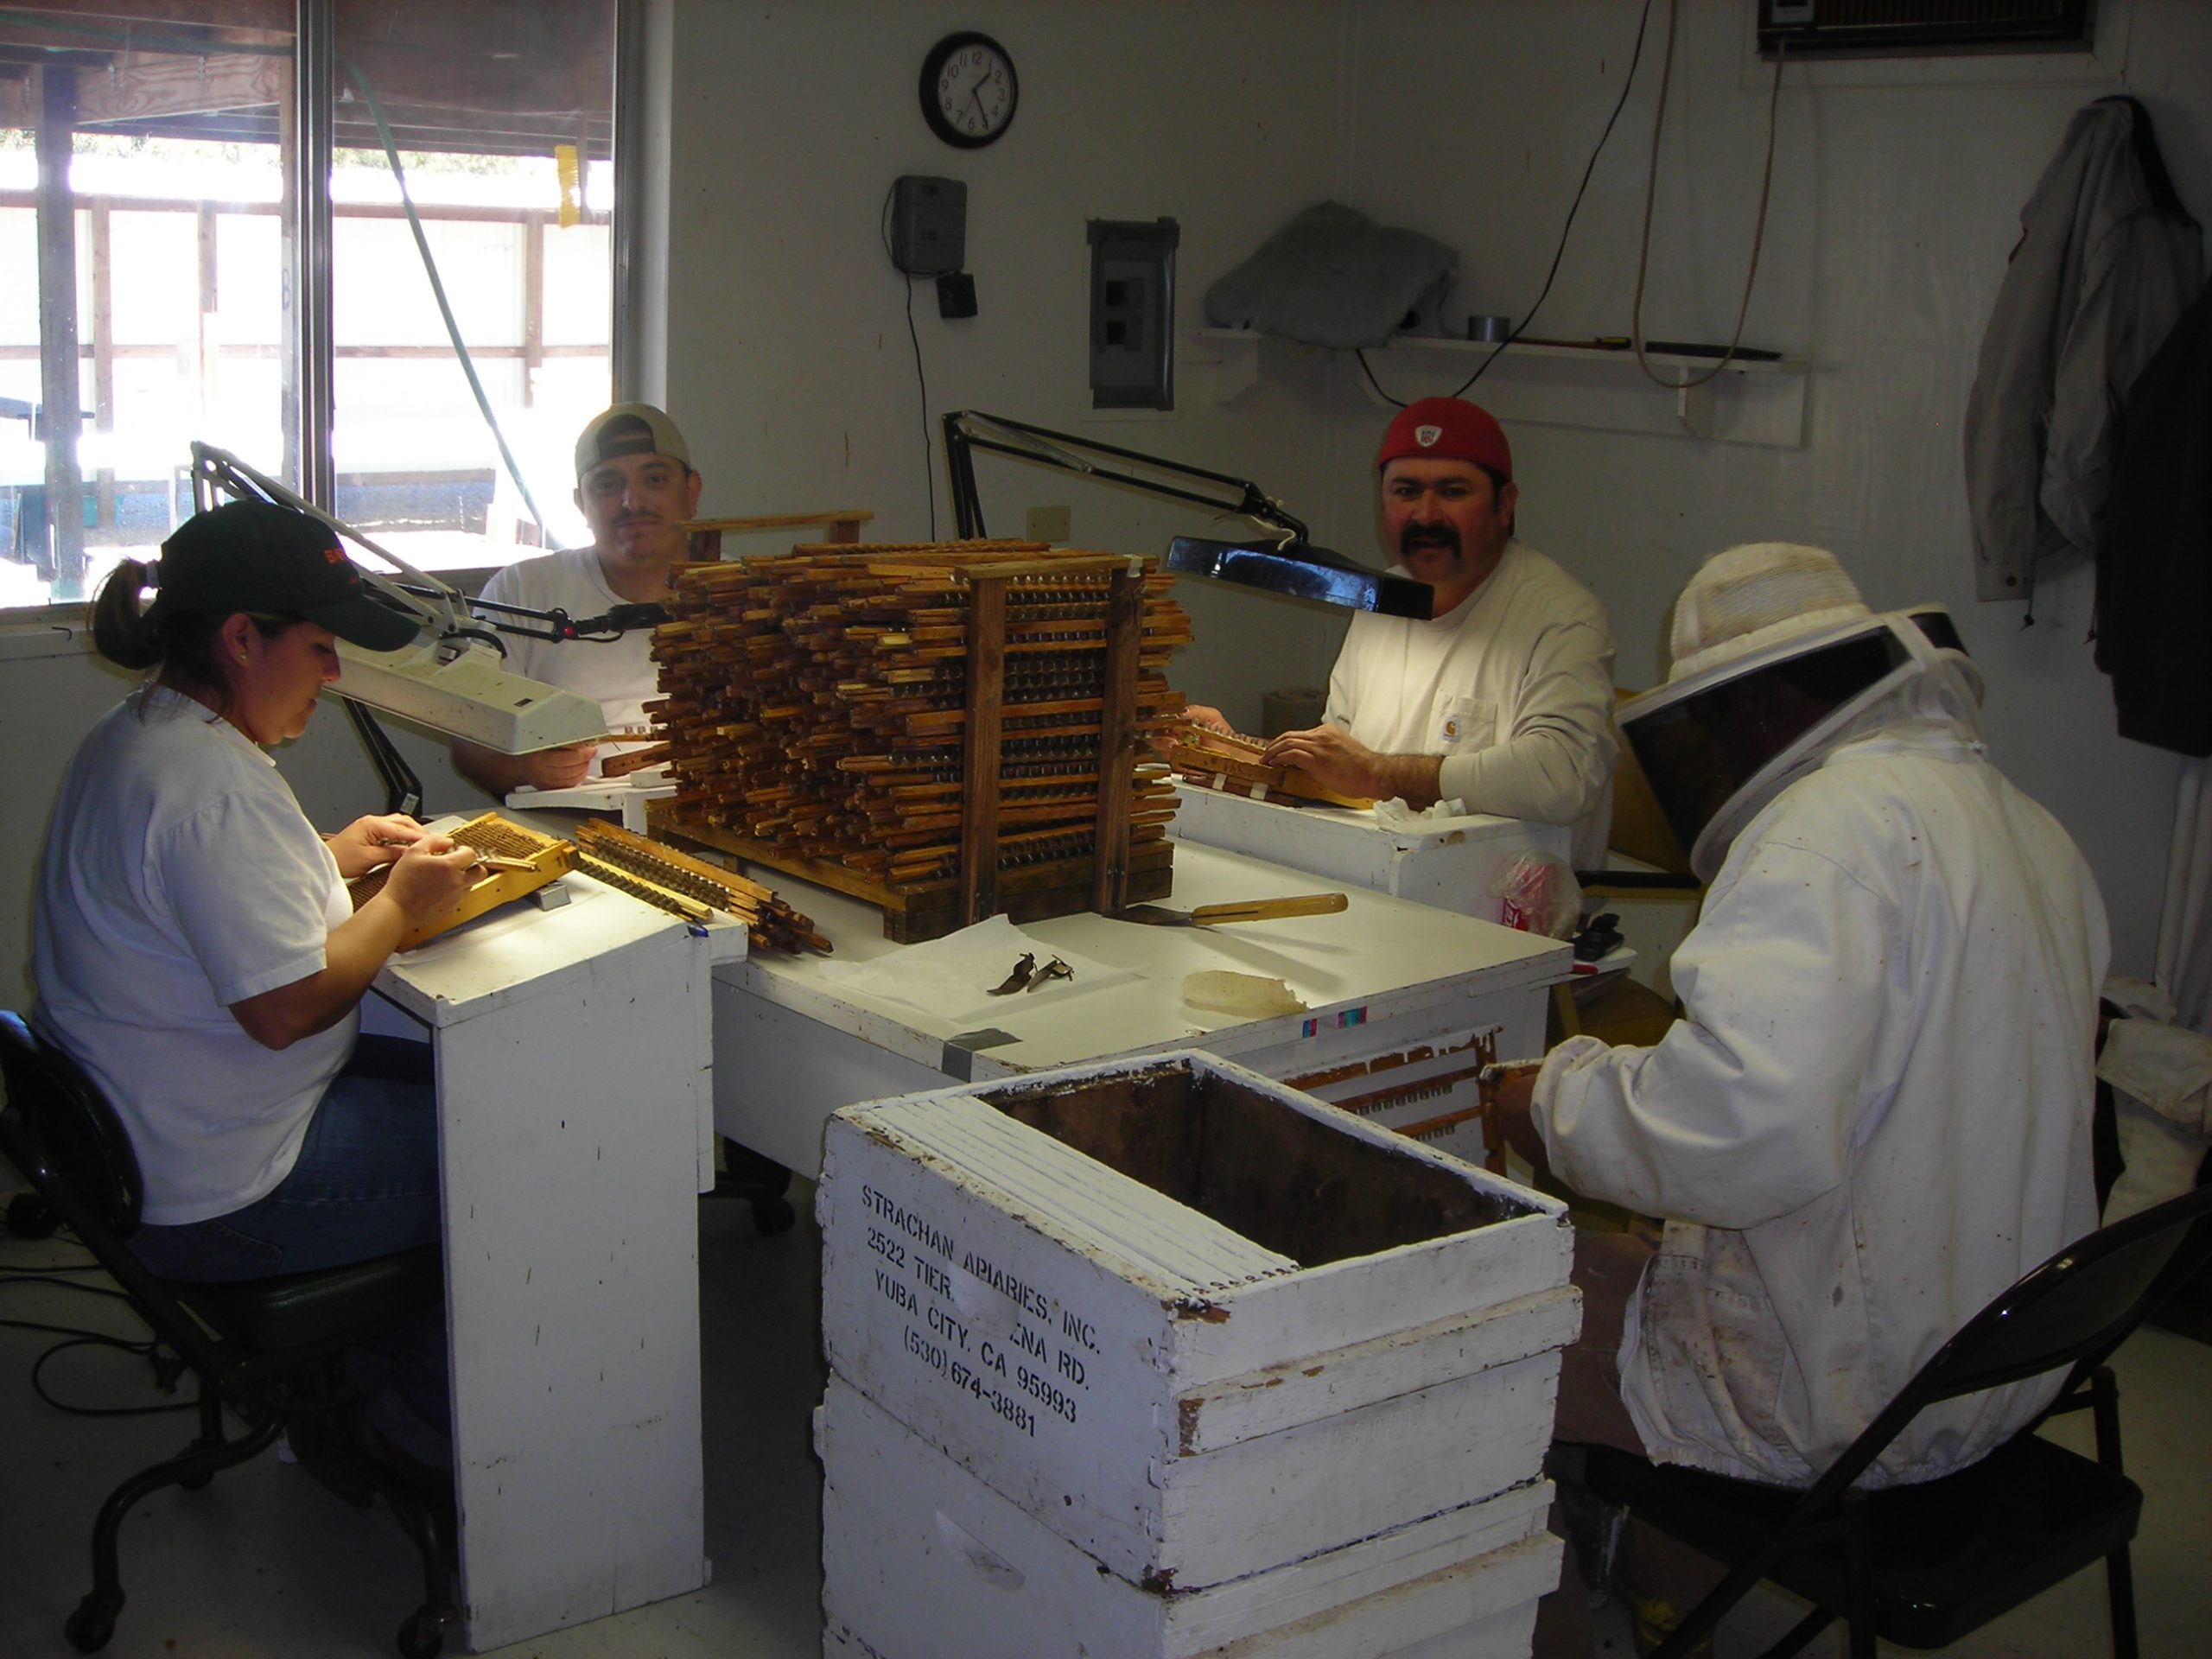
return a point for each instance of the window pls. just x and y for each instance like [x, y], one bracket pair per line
[170, 142]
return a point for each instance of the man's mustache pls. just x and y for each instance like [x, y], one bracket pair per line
[1420, 536]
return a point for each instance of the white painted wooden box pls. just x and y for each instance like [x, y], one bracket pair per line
[922, 1560]
[1446, 862]
[1197, 1323]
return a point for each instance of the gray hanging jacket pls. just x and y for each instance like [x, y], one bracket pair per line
[2105, 263]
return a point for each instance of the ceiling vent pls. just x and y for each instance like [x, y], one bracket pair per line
[1868, 29]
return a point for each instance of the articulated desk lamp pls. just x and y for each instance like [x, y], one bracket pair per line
[1277, 560]
[451, 678]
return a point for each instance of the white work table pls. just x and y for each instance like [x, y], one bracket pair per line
[1448, 862]
[572, 1055]
[1392, 987]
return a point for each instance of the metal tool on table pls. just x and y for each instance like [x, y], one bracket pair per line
[497, 862]
[1247, 909]
[1018, 979]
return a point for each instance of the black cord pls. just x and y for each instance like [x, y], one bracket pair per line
[921, 379]
[1635, 57]
[1368, 369]
[77, 1336]
[1758, 225]
[41, 1276]
[136, 1349]
[929, 466]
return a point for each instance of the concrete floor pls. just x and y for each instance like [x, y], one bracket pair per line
[266, 1564]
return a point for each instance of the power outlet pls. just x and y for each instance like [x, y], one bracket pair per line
[1049, 525]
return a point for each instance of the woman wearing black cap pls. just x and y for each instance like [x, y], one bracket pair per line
[193, 945]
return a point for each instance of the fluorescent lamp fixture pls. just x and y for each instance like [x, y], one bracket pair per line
[452, 678]
[1299, 570]
[462, 688]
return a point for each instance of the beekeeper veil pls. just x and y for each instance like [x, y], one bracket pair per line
[1777, 662]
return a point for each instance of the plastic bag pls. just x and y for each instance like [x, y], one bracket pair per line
[1537, 893]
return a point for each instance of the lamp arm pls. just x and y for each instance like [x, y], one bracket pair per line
[966, 431]
[434, 601]
[1292, 567]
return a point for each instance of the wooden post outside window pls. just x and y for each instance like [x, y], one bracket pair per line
[60, 393]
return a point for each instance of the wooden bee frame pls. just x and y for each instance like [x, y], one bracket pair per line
[981, 706]
[544, 859]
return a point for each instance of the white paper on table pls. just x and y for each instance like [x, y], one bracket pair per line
[951, 978]
[1395, 814]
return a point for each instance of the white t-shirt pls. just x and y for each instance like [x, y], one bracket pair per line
[180, 876]
[1514, 688]
[618, 674]
[1874, 1116]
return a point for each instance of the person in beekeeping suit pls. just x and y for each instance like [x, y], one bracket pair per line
[1874, 1114]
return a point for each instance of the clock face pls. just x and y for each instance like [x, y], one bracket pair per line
[969, 90]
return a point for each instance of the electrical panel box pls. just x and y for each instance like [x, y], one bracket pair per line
[1133, 313]
[929, 225]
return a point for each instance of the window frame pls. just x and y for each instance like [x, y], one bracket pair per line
[307, 345]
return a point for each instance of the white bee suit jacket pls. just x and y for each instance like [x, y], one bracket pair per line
[1874, 1118]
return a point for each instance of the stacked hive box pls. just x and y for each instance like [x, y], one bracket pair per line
[816, 707]
[1160, 1358]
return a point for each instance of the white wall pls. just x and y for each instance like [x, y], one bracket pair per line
[790, 368]
[1895, 196]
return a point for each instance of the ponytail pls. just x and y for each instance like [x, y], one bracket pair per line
[184, 642]
[122, 632]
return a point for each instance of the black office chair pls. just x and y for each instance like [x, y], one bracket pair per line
[268, 1350]
[1921, 1565]
[753, 1178]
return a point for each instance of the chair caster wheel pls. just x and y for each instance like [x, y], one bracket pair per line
[90, 1627]
[772, 1216]
[423, 1634]
[30, 1216]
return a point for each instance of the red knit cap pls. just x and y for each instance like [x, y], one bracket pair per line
[1446, 428]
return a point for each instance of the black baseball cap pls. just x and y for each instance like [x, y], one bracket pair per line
[271, 560]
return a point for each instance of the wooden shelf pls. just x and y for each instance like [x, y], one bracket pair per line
[1759, 402]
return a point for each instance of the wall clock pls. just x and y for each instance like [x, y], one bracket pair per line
[969, 90]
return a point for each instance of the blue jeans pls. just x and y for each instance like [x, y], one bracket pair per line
[366, 1185]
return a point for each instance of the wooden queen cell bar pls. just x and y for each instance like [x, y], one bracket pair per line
[922, 725]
